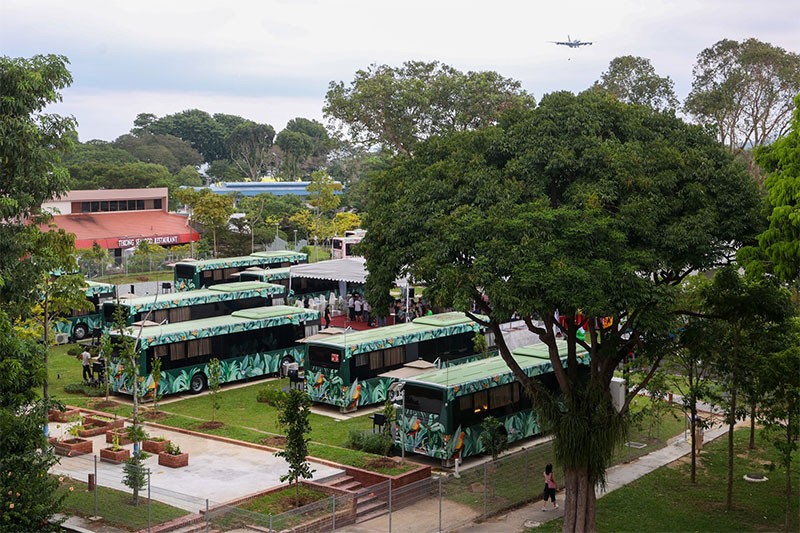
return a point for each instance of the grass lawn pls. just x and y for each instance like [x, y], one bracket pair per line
[115, 506]
[122, 279]
[244, 418]
[665, 500]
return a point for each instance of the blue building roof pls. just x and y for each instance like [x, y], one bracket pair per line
[253, 188]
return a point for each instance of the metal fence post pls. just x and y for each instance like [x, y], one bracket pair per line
[527, 476]
[334, 513]
[270, 523]
[148, 500]
[206, 515]
[96, 487]
[485, 492]
[390, 506]
[440, 503]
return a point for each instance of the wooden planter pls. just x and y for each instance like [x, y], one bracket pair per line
[173, 461]
[111, 456]
[54, 415]
[121, 432]
[73, 447]
[155, 446]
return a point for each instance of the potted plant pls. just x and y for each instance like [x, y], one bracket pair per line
[107, 421]
[115, 453]
[75, 445]
[57, 415]
[155, 444]
[120, 433]
[172, 457]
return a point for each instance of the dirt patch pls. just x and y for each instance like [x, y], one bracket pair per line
[211, 425]
[154, 415]
[381, 462]
[274, 442]
[289, 502]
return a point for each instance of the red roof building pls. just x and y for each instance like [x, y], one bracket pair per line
[118, 219]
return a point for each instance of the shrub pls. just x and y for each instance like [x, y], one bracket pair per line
[270, 396]
[366, 441]
[173, 449]
[74, 351]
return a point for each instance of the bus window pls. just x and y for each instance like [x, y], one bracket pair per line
[324, 356]
[426, 400]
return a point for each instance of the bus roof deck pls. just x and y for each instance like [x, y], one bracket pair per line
[355, 342]
[533, 359]
[237, 321]
[244, 260]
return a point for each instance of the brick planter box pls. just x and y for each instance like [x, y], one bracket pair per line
[173, 461]
[109, 424]
[92, 430]
[73, 447]
[121, 432]
[155, 446]
[111, 456]
[54, 415]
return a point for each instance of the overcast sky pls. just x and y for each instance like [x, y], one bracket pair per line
[272, 60]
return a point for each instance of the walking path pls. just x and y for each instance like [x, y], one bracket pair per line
[617, 476]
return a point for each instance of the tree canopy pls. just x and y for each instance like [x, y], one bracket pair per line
[31, 145]
[397, 107]
[633, 80]
[745, 91]
[582, 205]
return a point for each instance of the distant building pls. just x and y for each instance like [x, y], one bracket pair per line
[253, 188]
[119, 219]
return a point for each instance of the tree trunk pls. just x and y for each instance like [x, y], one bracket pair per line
[46, 385]
[752, 445]
[731, 424]
[693, 433]
[788, 489]
[580, 502]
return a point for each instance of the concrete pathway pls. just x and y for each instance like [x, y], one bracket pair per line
[218, 471]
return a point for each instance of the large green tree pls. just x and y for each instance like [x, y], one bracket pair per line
[633, 80]
[31, 144]
[165, 150]
[249, 144]
[396, 107]
[582, 204]
[212, 211]
[781, 160]
[744, 90]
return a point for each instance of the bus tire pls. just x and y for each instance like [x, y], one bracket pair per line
[80, 331]
[198, 383]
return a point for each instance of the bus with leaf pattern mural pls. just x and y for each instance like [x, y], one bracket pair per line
[250, 344]
[443, 410]
[222, 299]
[355, 368]
[191, 274]
[82, 322]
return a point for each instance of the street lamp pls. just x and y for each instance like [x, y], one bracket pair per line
[295, 240]
[396, 394]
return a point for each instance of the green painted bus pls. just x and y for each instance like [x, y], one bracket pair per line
[82, 322]
[217, 300]
[353, 369]
[191, 274]
[250, 344]
[444, 409]
[278, 276]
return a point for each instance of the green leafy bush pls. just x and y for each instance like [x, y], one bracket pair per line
[270, 396]
[366, 441]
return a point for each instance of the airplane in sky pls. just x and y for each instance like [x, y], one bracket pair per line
[572, 43]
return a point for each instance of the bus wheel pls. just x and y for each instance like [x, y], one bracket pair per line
[198, 383]
[80, 331]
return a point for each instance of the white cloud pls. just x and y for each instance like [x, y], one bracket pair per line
[262, 57]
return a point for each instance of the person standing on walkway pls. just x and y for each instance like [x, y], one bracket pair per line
[327, 316]
[550, 487]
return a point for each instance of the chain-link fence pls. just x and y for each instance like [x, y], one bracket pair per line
[444, 503]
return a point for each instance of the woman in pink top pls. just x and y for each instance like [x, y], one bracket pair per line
[550, 487]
